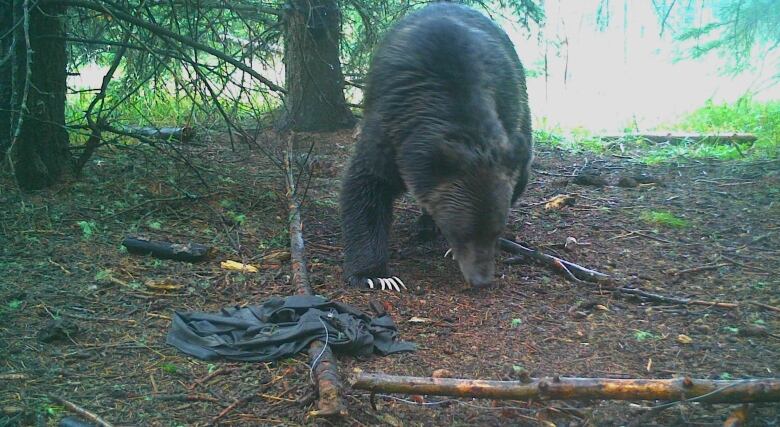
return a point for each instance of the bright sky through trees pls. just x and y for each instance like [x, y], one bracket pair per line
[602, 79]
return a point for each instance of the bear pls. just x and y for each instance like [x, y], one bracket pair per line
[446, 119]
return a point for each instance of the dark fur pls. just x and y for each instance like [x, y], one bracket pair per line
[446, 117]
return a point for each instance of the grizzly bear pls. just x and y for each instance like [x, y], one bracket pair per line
[446, 118]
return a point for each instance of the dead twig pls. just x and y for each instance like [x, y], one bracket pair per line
[186, 397]
[323, 362]
[672, 300]
[570, 269]
[238, 402]
[579, 274]
[558, 388]
[766, 306]
[208, 377]
[699, 269]
[91, 416]
[745, 266]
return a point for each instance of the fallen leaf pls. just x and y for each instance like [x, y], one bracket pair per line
[163, 285]
[441, 373]
[416, 398]
[600, 307]
[237, 266]
[416, 319]
[684, 339]
[559, 202]
[280, 255]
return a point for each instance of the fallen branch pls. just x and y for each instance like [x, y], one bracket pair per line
[190, 252]
[677, 138]
[766, 306]
[323, 362]
[570, 269]
[238, 402]
[91, 416]
[167, 133]
[580, 274]
[672, 300]
[558, 388]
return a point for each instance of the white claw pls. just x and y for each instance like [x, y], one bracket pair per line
[370, 283]
[395, 285]
[382, 282]
[400, 282]
[446, 254]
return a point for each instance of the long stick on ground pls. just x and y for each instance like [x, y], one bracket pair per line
[322, 359]
[570, 269]
[557, 388]
[581, 274]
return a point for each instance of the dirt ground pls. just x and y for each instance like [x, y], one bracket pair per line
[81, 319]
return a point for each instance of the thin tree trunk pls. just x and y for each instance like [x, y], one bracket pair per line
[558, 388]
[39, 140]
[6, 23]
[315, 84]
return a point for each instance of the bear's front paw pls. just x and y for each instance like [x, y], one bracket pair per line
[377, 283]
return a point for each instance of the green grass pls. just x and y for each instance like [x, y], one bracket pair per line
[745, 115]
[664, 219]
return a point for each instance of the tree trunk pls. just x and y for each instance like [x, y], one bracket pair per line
[315, 99]
[39, 151]
[6, 19]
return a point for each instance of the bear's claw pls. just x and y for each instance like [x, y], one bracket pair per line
[449, 253]
[382, 283]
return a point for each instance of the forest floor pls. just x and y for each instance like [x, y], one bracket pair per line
[81, 319]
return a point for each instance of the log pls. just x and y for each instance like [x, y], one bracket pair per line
[681, 137]
[189, 252]
[323, 361]
[559, 388]
[167, 133]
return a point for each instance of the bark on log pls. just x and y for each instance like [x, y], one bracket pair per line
[678, 138]
[190, 252]
[181, 134]
[329, 385]
[557, 388]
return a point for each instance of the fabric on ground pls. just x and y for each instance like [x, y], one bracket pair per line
[282, 327]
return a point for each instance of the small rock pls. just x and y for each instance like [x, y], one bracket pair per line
[703, 329]
[753, 331]
[627, 182]
[645, 179]
[571, 244]
[57, 329]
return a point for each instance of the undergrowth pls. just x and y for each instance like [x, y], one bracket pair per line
[664, 219]
[745, 115]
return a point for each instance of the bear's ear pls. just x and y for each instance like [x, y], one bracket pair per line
[450, 158]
